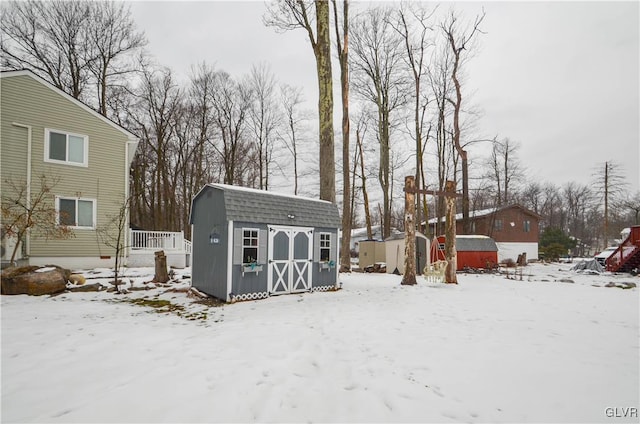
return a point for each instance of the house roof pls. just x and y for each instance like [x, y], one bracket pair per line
[27, 72]
[486, 212]
[260, 206]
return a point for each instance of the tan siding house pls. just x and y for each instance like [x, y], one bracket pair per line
[45, 132]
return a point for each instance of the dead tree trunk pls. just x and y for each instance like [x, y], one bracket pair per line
[409, 277]
[161, 272]
[450, 234]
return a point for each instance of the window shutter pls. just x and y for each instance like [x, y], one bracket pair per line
[237, 246]
[333, 252]
[263, 236]
[316, 247]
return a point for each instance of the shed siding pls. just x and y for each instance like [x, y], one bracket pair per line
[209, 269]
[325, 277]
[250, 282]
[26, 101]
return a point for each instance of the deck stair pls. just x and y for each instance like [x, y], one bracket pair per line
[627, 256]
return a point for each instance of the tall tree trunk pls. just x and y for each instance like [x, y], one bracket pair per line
[365, 194]
[322, 50]
[409, 276]
[343, 56]
[450, 234]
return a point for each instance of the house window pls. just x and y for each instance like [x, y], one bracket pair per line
[325, 246]
[497, 225]
[77, 213]
[66, 148]
[249, 245]
[527, 226]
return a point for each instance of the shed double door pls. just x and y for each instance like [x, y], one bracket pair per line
[290, 259]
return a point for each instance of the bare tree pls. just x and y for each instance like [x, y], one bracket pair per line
[378, 78]
[440, 85]
[610, 184]
[25, 210]
[578, 199]
[51, 39]
[633, 204]
[153, 200]
[112, 37]
[294, 14]
[113, 234]
[413, 27]
[459, 40]
[72, 44]
[264, 118]
[291, 99]
[231, 102]
[505, 168]
[360, 134]
[342, 46]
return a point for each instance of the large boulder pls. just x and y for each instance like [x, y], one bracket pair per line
[34, 281]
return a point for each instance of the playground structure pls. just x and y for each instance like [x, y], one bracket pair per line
[626, 257]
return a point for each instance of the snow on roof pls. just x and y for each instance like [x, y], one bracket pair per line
[358, 232]
[485, 212]
[262, 192]
[473, 214]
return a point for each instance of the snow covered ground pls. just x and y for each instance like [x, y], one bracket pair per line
[490, 349]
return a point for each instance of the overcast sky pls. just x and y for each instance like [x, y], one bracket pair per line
[560, 78]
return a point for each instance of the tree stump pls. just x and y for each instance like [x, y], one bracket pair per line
[161, 271]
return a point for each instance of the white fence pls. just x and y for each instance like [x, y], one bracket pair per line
[143, 244]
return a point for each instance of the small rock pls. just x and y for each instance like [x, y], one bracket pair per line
[77, 279]
[566, 280]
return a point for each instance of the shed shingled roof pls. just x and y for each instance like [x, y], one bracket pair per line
[475, 244]
[260, 206]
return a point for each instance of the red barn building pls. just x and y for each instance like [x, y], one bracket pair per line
[473, 252]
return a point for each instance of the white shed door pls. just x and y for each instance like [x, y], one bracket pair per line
[290, 257]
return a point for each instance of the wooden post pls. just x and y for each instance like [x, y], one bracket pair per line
[450, 252]
[409, 277]
[450, 227]
[161, 274]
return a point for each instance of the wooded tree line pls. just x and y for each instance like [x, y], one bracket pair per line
[404, 104]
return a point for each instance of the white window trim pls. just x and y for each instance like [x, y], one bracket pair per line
[325, 247]
[76, 227]
[85, 162]
[257, 246]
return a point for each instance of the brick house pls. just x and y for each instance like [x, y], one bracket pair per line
[514, 228]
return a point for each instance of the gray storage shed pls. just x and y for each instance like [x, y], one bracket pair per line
[251, 244]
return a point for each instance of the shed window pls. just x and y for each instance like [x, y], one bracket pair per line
[249, 245]
[325, 246]
[66, 148]
[527, 226]
[497, 225]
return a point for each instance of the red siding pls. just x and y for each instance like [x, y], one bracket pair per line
[467, 259]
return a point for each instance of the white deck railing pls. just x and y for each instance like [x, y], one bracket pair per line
[155, 240]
